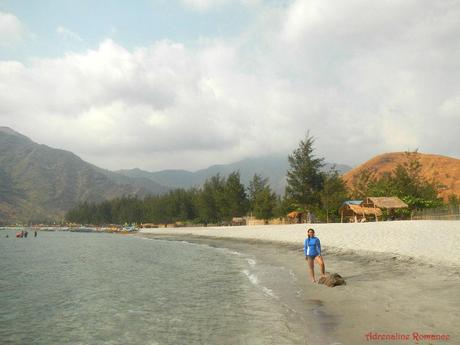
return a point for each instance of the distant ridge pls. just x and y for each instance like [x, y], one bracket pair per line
[38, 182]
[274, 167]
[443, 169]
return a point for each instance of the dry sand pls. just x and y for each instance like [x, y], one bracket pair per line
[402, 277]
[430, 241]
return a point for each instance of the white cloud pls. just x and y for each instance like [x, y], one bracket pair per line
[205, 5]
[68, 35]
[364, 78]
[12, 30]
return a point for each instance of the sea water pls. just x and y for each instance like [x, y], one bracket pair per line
[92, 288]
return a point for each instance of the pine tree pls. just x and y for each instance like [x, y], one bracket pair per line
[262, 199]
[304, 176]
[236, 202]
[256, 185]
[334, 193]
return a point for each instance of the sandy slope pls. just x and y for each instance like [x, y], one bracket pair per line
[445, 170]
[431, 241]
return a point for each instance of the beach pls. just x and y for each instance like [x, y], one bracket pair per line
[402, 277]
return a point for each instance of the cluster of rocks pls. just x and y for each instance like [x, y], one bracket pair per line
[332, 279]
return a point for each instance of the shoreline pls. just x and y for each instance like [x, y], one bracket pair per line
[434, 242]
[384, 293]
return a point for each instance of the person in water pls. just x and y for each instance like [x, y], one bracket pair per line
[312, 251]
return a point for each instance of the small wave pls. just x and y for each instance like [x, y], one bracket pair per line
[252, 277]
[293, 276]
[255, 281]
[251, 262]
[228, 251]
[269, 292]
[131, 311]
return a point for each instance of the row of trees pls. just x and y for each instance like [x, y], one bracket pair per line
[309, 188]
[218, 201]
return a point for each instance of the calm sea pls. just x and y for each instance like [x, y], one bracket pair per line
[88, 288]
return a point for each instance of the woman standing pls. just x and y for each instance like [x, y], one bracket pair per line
[312, 251]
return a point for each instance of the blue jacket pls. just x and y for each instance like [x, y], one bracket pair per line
[312, 246]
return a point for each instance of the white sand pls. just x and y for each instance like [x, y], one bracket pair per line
[431, 241]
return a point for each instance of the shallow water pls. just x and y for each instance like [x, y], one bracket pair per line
[72, 288]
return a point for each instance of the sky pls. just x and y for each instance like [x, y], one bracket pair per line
[184, 84]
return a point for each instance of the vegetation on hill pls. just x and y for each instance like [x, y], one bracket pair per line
[39, 183]
[444, 171]
[404, 181]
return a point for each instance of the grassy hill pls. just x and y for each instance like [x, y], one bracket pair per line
[445, 170]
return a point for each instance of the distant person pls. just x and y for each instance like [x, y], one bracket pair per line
[7, 236]
[25, 234]
[35, 233]
[312, 251]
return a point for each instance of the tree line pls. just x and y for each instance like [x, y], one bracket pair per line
[218, 201]
[309, 188]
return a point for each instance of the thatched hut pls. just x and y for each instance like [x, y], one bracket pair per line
[385, 203]
[295, 217]
[238, 221]
[354, 211]
[389, 204]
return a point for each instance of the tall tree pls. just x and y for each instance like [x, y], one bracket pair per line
[265, 203]
[262, 200]
[334, 193]
[256, 185]
[360, 183]
[304, 176]
[236, 201]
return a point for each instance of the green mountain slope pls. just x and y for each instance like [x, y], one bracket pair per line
[38, 182]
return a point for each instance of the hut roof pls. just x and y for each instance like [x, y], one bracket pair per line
[294, 214]
[238, 219]
[365, 210]
[352, 202]
[388, 202]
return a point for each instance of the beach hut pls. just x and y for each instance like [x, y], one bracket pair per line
[238, 221]
[295, 217]
[390, 204]
[355, 211]
[384, 202]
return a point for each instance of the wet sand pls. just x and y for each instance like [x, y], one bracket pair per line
[385, 294]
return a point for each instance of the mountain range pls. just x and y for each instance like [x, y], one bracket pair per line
[40, 183]
[274, 167]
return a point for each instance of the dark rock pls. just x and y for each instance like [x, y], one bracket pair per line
[332, 279]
